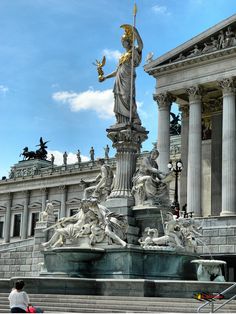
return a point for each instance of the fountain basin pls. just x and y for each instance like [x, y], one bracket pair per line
[119, 262]
[69, 261]
[209, 270]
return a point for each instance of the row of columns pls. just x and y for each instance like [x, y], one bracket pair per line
[25, 216]
[195, 145]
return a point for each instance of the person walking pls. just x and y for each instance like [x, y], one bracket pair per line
[18, 298]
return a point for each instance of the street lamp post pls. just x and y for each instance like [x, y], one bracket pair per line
[176, 167]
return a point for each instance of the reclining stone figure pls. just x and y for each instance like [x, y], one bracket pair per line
[93, 222]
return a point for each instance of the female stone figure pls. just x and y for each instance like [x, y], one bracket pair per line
[125, 76]
[148, 185]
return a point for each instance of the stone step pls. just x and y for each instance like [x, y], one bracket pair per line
[112, 304]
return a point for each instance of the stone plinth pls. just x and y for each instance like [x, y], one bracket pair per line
[148, 216]
[28, 167]
[40, 237]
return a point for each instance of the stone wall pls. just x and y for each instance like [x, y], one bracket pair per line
[16, 259]
[219, 235]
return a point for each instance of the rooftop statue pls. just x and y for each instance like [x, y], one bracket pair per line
[175, 126]
[40, 153]
[124, 87]
[92, 224]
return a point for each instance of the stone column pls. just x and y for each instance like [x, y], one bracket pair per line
[7, 227]
[127, 140]
[44, 197]
[228, 149]
[63, 190]
[184, 153]
[194, 152]
[24, 230]
[163, 137]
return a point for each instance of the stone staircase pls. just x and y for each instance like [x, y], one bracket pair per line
[113, 304]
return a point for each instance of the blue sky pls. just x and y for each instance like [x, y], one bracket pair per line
[48, 85]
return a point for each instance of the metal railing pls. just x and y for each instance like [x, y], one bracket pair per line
[216, 297]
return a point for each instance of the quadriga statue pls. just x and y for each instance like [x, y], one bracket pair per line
[92, 224]
[149, 183]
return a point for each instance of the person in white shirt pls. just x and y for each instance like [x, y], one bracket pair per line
[19, 299]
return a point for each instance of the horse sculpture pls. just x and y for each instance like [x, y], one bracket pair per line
[40, 153]
[28, 154]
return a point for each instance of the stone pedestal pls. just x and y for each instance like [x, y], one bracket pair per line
[127, 140]
[149, 216]
[28, 168]
[40, 237]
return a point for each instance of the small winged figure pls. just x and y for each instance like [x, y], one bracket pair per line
[42, 144]
[149, 57]
[100, 65]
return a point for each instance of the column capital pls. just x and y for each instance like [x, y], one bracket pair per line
[9, 196]
[194, 92]
[26, 193]
[62, 187]
[227, 85]
[164, 100]
[44, 190]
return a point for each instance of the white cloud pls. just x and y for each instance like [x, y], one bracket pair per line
[143, 114]
[71, 159]
[112, 54]
[4, 89]
[159, 9]
[99, 101]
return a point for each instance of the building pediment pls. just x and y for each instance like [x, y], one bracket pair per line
[35, 205]
[74, 201]
[56, 203]
[17, 207]
[215, 41]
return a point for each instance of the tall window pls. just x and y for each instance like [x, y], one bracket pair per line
[35, 218]
[17, 223]
[73, 211]
[1, 229]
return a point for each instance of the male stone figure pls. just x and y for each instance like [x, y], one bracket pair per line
[103, 183]
[47, 213]
[52, 160]
[106, 149]
[65, 155]
[68, 228]
[94, 222]
[78, 156]
[91, 152]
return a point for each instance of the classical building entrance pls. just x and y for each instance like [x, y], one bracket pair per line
[199, 76]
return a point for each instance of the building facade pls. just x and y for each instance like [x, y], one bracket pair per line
[199, 76]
